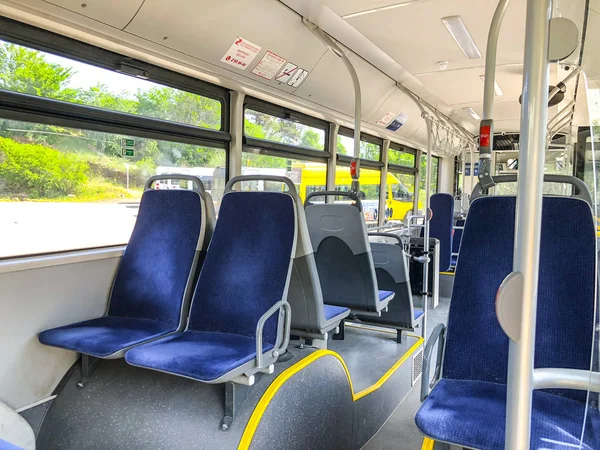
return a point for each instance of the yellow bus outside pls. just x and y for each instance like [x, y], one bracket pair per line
[399, 199]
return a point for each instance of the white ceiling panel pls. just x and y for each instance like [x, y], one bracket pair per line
[116, 13]
[417, 39]
[457, 87]
[330, 84]
[344, 7]
[265, 23]
[398, 103]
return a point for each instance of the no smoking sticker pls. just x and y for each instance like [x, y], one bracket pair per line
[241, 53]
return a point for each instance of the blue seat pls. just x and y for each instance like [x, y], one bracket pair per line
[153, 286]
[8, 446]
[467, 406]
[241, 289]
[391, 268]
[441, 227]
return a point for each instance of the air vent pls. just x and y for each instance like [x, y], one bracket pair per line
[417, 366]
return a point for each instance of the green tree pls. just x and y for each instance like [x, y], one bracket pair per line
[341, 148]
[311, 139]
[27, 71]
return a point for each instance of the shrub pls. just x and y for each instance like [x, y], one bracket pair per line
[37, 171]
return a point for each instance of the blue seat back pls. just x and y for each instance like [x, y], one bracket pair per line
[476, 346]
[247, 266]
[440, 226]
[159, 260]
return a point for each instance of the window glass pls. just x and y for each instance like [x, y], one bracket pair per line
[259, 125]
[400, 195]
[308, 177]
[368, 150]
[370, 181]
[66, 189]
[435, 164]
[46, 75]
[400, 158]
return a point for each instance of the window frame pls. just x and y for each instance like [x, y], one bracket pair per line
[41, 110]
[46, 41]
[266, 147]
[364, 137]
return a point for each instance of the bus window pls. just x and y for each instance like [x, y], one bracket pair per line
[368, 150]
[66, 189]
[47, 75]
[370, 181]
[404, 158]
[260, 125]
[435, 166]
[307, 176]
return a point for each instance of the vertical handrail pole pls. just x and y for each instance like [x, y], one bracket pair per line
[489, 91]
[336, 50]
[427, 259]
[534, 116]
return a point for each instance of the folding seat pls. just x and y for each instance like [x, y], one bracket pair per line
[239, 320]
[338, 234]
[467, 406]
[154, 283]
[311, 317]
[391, 268]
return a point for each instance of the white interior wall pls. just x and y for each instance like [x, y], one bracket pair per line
[48, 297]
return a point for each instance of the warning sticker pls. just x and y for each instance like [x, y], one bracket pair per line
[287, 73]
[385, 120]
[298, 77]
[241, 53]
[268, 66]
[397, 122]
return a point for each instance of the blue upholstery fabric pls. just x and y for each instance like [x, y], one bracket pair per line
[331, 312]
[106, 335]
[418, 313]
[476, 353]
[156, 265]
[203, 356]
[472, 413]
[384, 295]
[149, 288]
[245, 273]
[440, 226]
[8, 446]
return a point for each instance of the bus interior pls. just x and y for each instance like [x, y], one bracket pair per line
[299, 224]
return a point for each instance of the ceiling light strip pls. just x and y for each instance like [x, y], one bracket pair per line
[381, 8]
[460, 33]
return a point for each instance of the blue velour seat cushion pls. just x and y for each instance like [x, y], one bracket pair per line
[245, 272]
[384, 295]
[476, 351]
[473, 414]
[203, 356]
[331, 312]
[441, 226]
[106, 335]
[418, 313]
[150, 285]
[8, 446]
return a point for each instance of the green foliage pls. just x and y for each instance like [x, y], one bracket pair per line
[401, 158]
[341, 149]
[434, 173]
[40, 172]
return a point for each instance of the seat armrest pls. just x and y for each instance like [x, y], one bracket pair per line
[438, 334]
[283, 306]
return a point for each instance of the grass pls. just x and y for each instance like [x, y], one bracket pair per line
[96, 190]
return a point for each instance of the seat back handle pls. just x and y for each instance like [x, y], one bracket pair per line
[388, 235]
[348, 194]
[197, 182]
[274, 178]
[582, 191]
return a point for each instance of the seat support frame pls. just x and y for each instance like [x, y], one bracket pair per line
[89, 364]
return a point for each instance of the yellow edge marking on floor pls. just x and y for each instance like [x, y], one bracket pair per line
[263, 403]
[447, 273]
[428, 444]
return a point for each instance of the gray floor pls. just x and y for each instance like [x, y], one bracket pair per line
[400, 432]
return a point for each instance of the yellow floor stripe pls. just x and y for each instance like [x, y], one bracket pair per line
[428, 444]
[263, 403]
